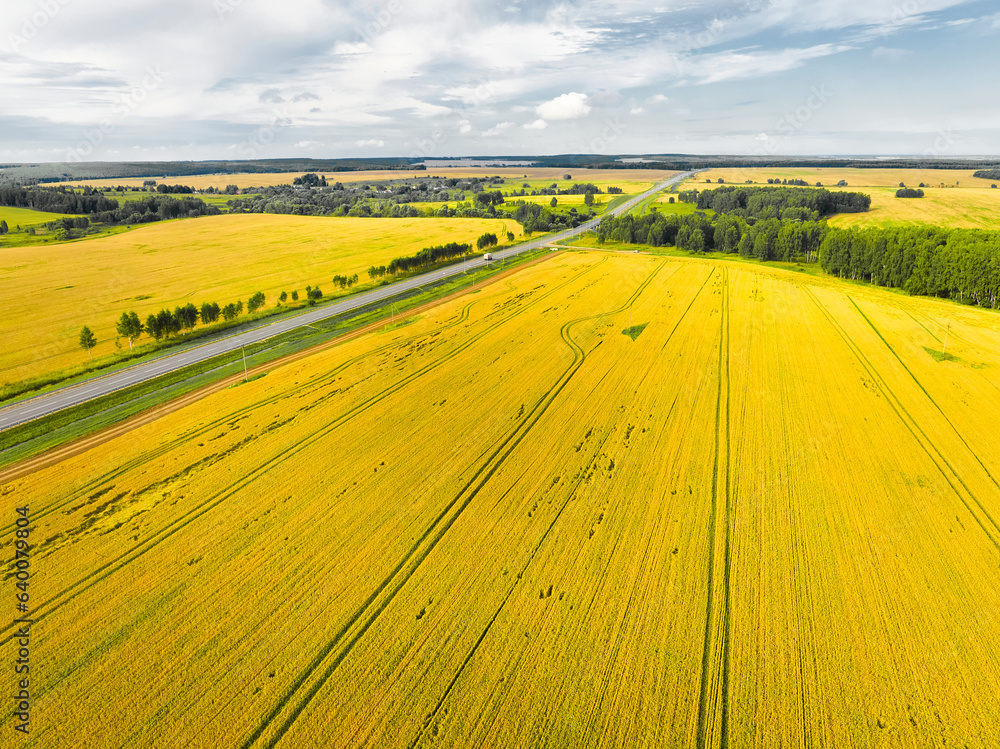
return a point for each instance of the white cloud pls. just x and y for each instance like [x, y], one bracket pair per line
[569, 106]
[498, 129]
[728, 66]
[466, 66]
[891, 54]
[763, 137]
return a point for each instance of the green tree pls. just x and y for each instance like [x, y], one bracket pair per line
[187, 316]
[255, 302]
[588, 199]
[295, 296]
[87, 340]
[129, 326]
[3, 227]
[284, 297]
[554, 202]
[210, 312]
[229, 312]
[487, 240]
[153, 327]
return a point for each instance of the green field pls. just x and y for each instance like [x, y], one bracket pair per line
[25, 217]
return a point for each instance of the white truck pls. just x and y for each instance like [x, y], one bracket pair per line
[488, 256]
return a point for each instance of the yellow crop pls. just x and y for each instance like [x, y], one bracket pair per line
[953, 198]
[768, 521]
[58, 289]
[632, 180]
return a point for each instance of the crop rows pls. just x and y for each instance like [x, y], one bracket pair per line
[768, 520]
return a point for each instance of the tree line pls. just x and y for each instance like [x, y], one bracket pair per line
[55, 200]
[959, 264]
[987, 174]
[164, 324]
[103, 210]
[154, 208]
[767, 239]
[787, 203]
[427, 256]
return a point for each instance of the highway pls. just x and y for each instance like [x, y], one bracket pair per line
[73, 395]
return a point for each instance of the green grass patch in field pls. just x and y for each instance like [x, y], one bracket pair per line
[635, 331]
[256, 377]
[25, 217]
[939, 356]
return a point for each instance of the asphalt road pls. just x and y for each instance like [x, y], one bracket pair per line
[73, 395]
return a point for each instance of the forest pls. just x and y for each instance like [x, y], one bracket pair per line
[102, 210]
[55, 200]
[787, 203]
[959, 264]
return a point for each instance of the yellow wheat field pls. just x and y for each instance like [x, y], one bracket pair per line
[632, 180]
[972, 208]
[954, 198]
[960, 178]
[771, 520]
[57, 290]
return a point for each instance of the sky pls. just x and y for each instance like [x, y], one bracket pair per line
[127, 80]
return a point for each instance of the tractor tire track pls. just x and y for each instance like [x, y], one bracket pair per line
[965, 496]
[928, 395]
[361, 621]
[50, 606]
[580, 479]
[204, 429]
[428, 721]
[714, 690]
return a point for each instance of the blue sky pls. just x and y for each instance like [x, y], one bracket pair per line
[205, 79]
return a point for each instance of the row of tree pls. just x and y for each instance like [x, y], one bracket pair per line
[987, 174]
[426, 257]
[788, 203]
[961, 264]
[165, 323]
[154, 208]
[768, 239]
[55, 200]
